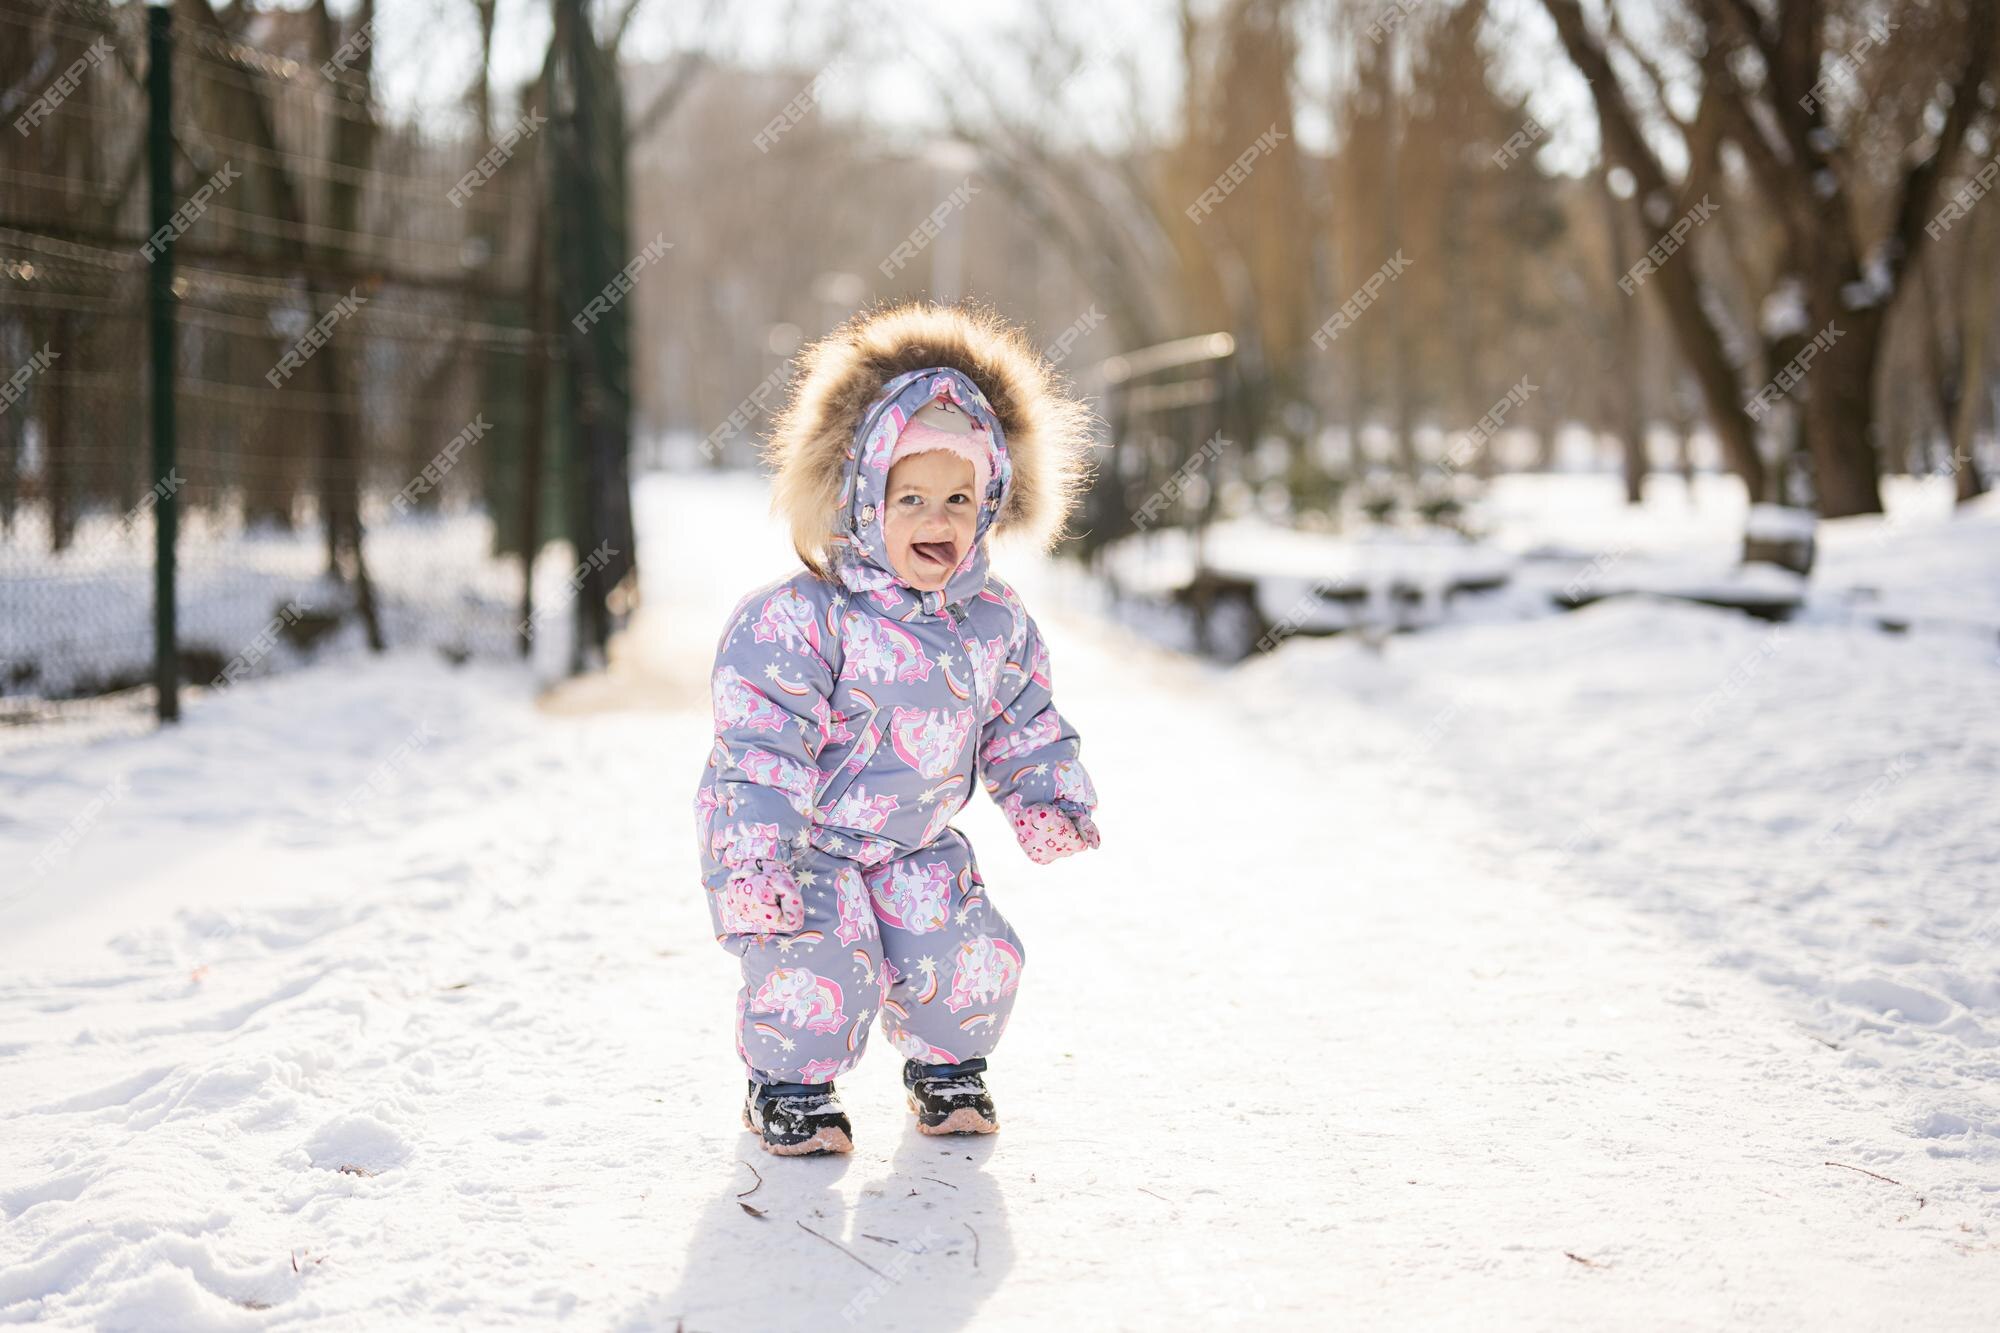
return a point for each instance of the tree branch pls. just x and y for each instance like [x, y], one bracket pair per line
[1700, 341]
[1918, 192]
[1655, 80]
[687, 69]
[1749, 24]
[1734, 23]
[624, 22]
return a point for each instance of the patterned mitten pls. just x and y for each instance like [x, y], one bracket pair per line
[1048, 833]
[761, 899]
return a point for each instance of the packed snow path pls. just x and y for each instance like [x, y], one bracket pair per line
[378, 996]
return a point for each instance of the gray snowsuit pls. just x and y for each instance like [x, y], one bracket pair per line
[852, 716]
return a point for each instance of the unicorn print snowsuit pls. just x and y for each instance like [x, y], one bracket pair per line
[853, 714]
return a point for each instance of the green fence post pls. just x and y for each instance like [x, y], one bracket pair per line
[160, 293]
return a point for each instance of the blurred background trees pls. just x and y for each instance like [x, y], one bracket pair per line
[1825, 137]
[1447, 240]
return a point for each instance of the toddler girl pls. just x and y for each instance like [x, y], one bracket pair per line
[856, 701]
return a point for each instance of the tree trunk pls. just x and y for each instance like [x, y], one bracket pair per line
[341, 479]
[1399, 346]
[1975, 327]
[1624, 382]
[591, 242]
[59, 466]
[1839, 414]
[10, 468]
[482, 85]
[1634, 451]
[1695, 334]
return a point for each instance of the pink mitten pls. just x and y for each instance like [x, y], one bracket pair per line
[760, 899]
[1047, 834]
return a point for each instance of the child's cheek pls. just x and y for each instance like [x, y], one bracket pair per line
[898, 550]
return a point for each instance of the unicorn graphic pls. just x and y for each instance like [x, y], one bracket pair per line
[1042, 731]
[930, 740]
[912, 1047]
[1073, 784]
[986, 657]
[856, 920]
[865, 748]
[803, 997]
[789, 776]
[738, 703]
[856, 809]
[983, 969]
[880, 651]
[940, 816]
[788, 618]
[740, 844]
[911, 897]
[1038, 665]
[825, 1071]
[706, 802]
[875, 452]
[872, 852]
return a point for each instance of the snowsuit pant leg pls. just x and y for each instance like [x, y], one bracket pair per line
[807, 998]
[952, 960]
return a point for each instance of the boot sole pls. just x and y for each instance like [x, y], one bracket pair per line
[829, 1140]
[965, 1120]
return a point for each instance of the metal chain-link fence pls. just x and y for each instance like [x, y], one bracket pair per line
[365, 439]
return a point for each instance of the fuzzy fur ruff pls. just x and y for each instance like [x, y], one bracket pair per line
[1048, 433]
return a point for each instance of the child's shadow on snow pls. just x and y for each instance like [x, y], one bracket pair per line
[929, 1223]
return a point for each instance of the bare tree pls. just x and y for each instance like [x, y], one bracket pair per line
[1957, 320]
[1762, 69]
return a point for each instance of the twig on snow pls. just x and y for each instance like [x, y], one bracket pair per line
[1156, 1194]
[1587, 1263]
[844, 1250]
[945, 1183]
[1864, 1171]
[975, 1245]
[754, 1188]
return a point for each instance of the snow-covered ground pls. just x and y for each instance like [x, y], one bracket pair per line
[80, 621]
[1628, 968]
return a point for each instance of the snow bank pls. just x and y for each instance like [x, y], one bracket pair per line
[1810, 804]
[81, 620]
[1780, 523]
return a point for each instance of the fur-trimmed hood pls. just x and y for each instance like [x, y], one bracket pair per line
[848, 380]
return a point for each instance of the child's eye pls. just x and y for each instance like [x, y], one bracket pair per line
[960, 497]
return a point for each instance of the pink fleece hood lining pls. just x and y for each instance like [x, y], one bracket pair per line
[918, 438]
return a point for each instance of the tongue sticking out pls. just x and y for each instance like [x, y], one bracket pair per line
[937, 553]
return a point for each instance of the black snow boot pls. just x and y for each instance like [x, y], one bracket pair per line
[950, 1099]
[797, 1119]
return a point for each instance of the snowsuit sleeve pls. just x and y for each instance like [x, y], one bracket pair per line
[770, 691]
[1027, 752]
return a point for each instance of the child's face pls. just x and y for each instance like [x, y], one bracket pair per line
[931, 517]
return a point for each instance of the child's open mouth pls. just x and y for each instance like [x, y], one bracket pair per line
[935, 555]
